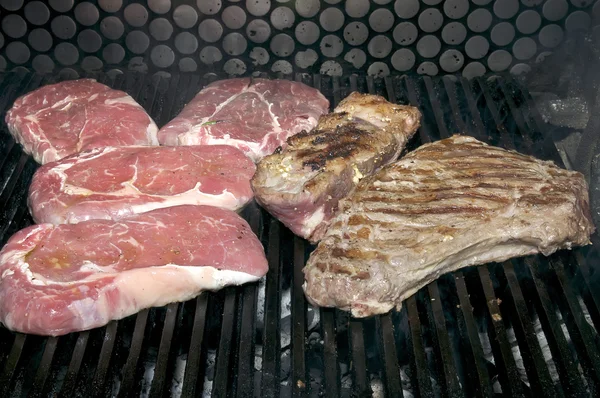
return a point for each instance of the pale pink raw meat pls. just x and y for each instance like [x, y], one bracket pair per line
[61, 119]
[112, 183]
[71, 277]
[254, 115]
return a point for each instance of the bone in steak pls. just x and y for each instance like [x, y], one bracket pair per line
[61, 119]
[447, 205]
[71, 277]
[111, 183]
[254, 115]
[302, 184]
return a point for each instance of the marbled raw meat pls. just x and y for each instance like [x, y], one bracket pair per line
[254, 115]
[60, 279]
[61, 119]
[112, 183]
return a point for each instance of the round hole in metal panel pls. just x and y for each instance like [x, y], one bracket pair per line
[282, 18]
[234, 43]
[555, 10]
[259, 31]
[429, 46]
[89, 41]
[406, 8]
[499, 60]
[61, 5]
[381, 20]
[331, 68]
[86, 13]
[551, 36]
[36, 12]
[233, 17]
[66, 53]
[210, 30]
[185, 16]
[136, 15]
[91, 63]
[506, 9]
[258, 8]
[137, 42]
[452, 60]
[259, 56]
[503, 33]
[456, 9]
[235, 67]
[160, 6]
[578, 20]
[307, 32]
[210, 55]
[11, 5]
[454, 33]
[524, 48]
[209, 7]
[473, 69]
[331, 19]
[331, 46]
[282, 66]
[137, 64]
[356, 57]
[14, 26]
[42, 64]
[63, 27]
[519, 69]
[112, 5]
[282, 45]
[479, 20]
[187, 65]
[403, 60]
[161, 29]
[356, 33]
[306, 59]
[477, 47]
[528, 22]
[162, 56]
[112, 28]
[113, 53]
[186, 43]
[307, 8]
[428, 68]
[378, 69]
[40, 40]
[431, 20]
[2, 63]
[406, 33]
[380, 46]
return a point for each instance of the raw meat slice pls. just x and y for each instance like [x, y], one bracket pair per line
[112, 183]
[254, 115]
[302, 184]
[60, 279]
[61, 119]
[450, 204]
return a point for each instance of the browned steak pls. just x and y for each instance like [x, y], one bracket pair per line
[447, 205]
[302, 184]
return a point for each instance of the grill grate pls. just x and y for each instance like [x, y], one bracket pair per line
[522, 327]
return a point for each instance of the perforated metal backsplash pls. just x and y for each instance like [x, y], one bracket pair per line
[331, 36]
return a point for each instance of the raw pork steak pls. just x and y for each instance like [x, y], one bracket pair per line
[111, 183]
[254, 115]
[302, 184]
[447, 205]
[61, 119]
[71, 277]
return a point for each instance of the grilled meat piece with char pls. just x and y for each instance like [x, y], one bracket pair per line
[447, 205]
[302, 184]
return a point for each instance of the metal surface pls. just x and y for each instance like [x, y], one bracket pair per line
[524, 327]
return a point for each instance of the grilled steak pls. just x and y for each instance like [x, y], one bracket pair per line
[254, 115]
[302, 184]
[112, 183]
[70, 277]
[450, 204]
[61, 119]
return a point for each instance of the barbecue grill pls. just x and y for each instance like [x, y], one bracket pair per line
[524, 327]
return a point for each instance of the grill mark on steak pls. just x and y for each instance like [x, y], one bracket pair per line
[419, 218]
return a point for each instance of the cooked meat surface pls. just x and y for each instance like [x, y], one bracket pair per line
[302, 184]
[254, 115]
[61, 119]
[112, 183]
[71, 277]
[447, 205]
